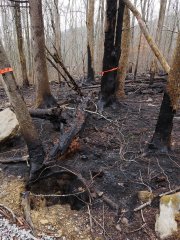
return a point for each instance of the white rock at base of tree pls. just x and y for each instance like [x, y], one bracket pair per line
[9, 125]
[166, 224]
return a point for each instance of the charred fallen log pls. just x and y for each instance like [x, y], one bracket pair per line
[69, 134]
[52, 114]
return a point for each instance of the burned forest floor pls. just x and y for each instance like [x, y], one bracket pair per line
[110, 153]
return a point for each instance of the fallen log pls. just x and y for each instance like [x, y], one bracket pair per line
[69, 134]
[15, 159]
[51, 114]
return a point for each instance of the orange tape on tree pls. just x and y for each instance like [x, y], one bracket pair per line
[5, 70]
[110, 70]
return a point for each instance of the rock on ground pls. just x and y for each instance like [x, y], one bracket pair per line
[166, 224]
[9, 125]
[11, 231]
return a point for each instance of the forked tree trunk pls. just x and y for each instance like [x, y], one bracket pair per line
[43, 95]
[161, 140]
[112, 51]
[90, 40]
[21, 44]
[35, 148]
[123, 62]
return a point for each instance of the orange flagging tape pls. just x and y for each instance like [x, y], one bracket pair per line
[5, 70]
[110, 70]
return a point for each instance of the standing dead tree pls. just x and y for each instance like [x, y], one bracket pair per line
[112, 51]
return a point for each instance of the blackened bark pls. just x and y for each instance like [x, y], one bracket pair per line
[69, 134]
[90, 77]
[36, 156]
[112, 51]
[52, 114]
[109, 49]
[161, 140]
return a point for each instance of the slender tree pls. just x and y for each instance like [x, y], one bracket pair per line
[143, 10]
[44, 97]
[90, 40]
[175, 24]
[112, 51]
[158, 37]
[57, 32]
[125, 47]
[161, 140]
[20, 42]
[28, 130]
[132, 34]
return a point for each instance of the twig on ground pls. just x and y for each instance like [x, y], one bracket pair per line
[142, 206]
[169, 192]
[138, 229]
[90, 218]
[164, 173]
[142, 215]
[102, 227]
[143, 182]
[9, 210]
[25, 203]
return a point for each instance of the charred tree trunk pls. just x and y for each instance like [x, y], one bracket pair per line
[52, 114]
[161, 140]
[112, 51]
[44, 99]
[69, 134]
[35, 148]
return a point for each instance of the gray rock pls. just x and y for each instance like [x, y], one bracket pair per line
[166, 224]
[11, 231]
[9, 125]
